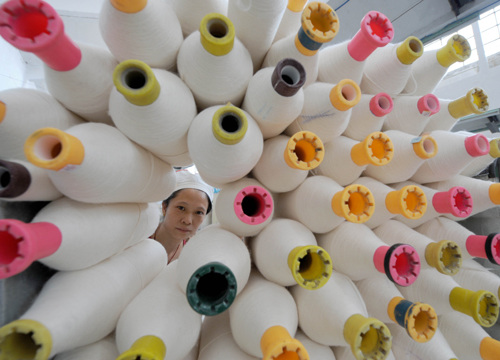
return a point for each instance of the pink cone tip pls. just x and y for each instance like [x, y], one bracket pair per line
[253, 205]
[376, 31]
[457, 201]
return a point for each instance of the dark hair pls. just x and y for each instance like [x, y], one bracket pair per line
[176, 192]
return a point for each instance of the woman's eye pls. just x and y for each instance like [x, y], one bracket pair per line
[181, 208]
[200, 213]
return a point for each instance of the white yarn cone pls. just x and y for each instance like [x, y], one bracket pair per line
[409, 201]
[475, 276]
[154, 108]
[481, 162]
[217, 341]
[128, 172]
[263, 320]
[419, 320]
[286, 161]
[409, 153]
[290, 20]
[321, 204]
[244, 207]
[274, 96]
[429, 69]
[225, 144]
[445, 256]
[315, 350]
[357, 252]
[468, 339]
[327, 109]
[336, 315]
[256, 24]
[368, 115]
[474, 102]
[104, 349]
[411, 113]
[214, 63]
[472, 245]
[212, 269]
[345, 158]
[456, 151]
[36, 109]
[405, 347]
[149, 323]
[286, 252]
[344, 353]
[319, 25]
[189, 13]
[23, 181]
[65, 313]
[347, 59]
[389, 68]
[146, 30]
[446, 296]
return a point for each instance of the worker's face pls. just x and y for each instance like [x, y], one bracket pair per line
[185, 213]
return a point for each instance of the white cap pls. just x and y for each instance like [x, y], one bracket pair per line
[187, 180]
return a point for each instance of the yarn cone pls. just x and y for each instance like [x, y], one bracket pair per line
[290, 20]
[154, 108]
[286, 161]
[146, 327]
[191, 13]
[76, 74]
[475, 276]
[98, 294]
[315, 350]
[23, 181]
[347, 59]
[147, 30]
[214, 63]
[286, 252]
[349, 243]
[104, 349]
[37, 109]
[344, 353]
[213, 269]
[264, 320]
[481, 162]
[336, 315]
[79, 171]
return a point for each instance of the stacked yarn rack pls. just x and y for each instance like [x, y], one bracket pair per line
[335, 232]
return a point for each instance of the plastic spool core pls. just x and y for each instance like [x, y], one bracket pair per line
[451, 257]
[29, 23]
[495, 248]
[424, 322]
[230, 123]
[9, 248]
[384, 102]
[47, 147]
[415, 46]
[290, 75]
[5, 178]
[217, 28]
[415, 202]
[134, 78]
[320, 19]
[432, 103]
[488, 310]
[253, 205]
[381, 148]
[462, 201]
[19, 346]
[349, 92]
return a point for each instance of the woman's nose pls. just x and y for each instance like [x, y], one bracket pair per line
[187, 219]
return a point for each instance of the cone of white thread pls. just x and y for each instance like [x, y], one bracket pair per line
[347, 59]
[321, 204]
[343, 321]
[286, 252]
[409, 153]
[411, 113]
[225, 143]
[290, 20]
[472, 245]
[146, 327]
[96, 295]
[456, 201]
[23, 181]
[481, 162]
[418, 319]
[468, 339]
[190, 13]
[327, 109]
[154, 108]
[444, 255]
[256, 24]
[263, 320]
[456, 151]
[344, 353]
[358, 253]
[474, 276]
[314, 349]
[286, 161]
[430, 68]
[37, 109]
[104, 349]
[346, 159]
[78, 75]
[146, 30]
[213, 269]
[485, 193]
[404, 346]
[274, 96]
[128, 172]
[214, 63]
[368, 115]
[244, 207]
[319, 24]
[475, 101]
[389, 68]
[446, 295]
